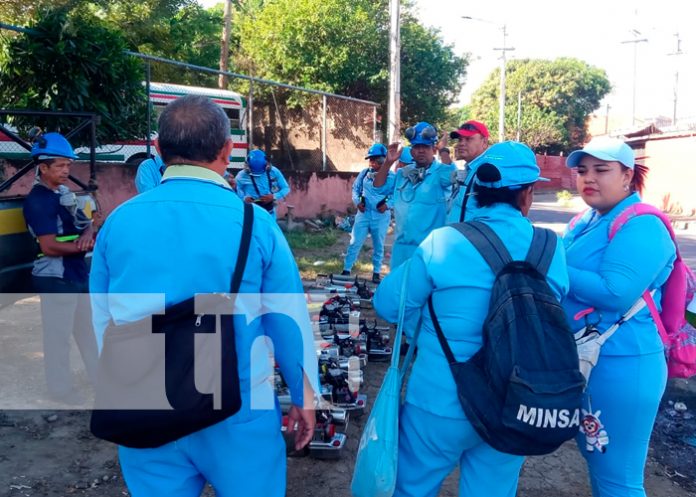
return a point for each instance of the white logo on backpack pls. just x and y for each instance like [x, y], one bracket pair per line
[548, 418]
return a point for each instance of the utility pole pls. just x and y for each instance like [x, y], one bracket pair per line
[676, 78]
[635, 42]
[501, 99]
[394, 119]
[606, 120]
[519, 114]
[225, 44]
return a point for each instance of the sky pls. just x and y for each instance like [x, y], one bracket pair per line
[591, 30]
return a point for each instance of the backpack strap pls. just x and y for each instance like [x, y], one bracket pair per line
[576, 219]
[438, 331]
[488, 244]
[465, 200]
[243, 248]
[642, 209]
[542, 249]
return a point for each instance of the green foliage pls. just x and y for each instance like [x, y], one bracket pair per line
[430, 74]
[75, 63]
[564, 197]
[343, 47]
[557, 97]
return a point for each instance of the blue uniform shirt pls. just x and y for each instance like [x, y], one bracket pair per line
[364, 186]
[420, 206]
[278, 185]
[181, 239]
[449, 267]
[45, 215]
[149, 174]
[611, 276]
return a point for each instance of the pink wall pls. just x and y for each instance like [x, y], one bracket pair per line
[312, 193]
[553, 167]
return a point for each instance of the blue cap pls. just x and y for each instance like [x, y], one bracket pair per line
[406, 156]
[606, 149]
[422, 134]
[377, 150]
[515, 163]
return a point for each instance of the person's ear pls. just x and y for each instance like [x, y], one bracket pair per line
[525, 200]
[226, 151]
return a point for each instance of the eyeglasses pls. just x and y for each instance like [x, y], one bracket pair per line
[427, 133]
[378, 159]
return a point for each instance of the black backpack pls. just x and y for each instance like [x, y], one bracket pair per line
[522, 390]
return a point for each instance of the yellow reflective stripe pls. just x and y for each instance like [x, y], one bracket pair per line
[12, 221]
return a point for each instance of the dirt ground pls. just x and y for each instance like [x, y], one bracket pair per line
[50, 452]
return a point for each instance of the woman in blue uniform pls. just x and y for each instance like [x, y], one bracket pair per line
[435, 435]
[626, 385]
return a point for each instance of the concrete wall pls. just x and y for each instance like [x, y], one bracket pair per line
[672, 178]
[312, 193]
[293, 135]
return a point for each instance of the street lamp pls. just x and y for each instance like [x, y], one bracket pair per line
[501, 96]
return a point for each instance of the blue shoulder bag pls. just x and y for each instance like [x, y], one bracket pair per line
[376, 463]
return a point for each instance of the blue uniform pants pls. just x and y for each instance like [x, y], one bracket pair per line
[238, 459]
[627, 390]
[374, 224]
[431, 446]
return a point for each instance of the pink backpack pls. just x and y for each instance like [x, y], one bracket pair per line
[678, 336]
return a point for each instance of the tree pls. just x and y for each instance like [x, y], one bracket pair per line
[75, 63]
[557, 98]
[342, 47]
[430, 74]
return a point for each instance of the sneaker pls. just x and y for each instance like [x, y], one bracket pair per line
[376, 278]
[345, 273]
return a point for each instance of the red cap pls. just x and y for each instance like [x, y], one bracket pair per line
[470, 128]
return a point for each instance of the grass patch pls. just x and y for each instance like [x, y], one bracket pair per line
[330, 264]
[299, 240]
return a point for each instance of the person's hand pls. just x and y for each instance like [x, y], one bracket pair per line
[301, 422]
[267, 198]
[382, 208]
[361, 207]
[393, 153]
[248, 200]
[85, 242]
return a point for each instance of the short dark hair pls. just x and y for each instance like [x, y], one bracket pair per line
[444, 149]
[192, 128]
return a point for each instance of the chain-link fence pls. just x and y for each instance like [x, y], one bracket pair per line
[300, 129]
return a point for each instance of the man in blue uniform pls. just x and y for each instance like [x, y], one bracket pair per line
[373, 212]
[60, 273]
[149, 174]
[261, 183]
[190, 226]
[420, 193]
[472, 140]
